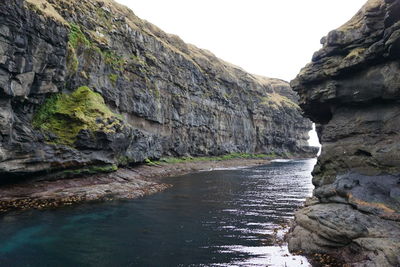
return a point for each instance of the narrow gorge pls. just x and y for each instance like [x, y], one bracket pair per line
[98, 104]
[351, 89]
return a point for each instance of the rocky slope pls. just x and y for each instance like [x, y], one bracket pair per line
[351, 89]
[86, 86]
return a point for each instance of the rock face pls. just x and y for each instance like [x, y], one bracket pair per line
[146, 93]
[351, 89]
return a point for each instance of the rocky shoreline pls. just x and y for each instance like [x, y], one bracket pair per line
[351, 90]
[125, 183]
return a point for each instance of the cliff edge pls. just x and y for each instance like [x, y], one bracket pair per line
[351, 89]
[87, 86]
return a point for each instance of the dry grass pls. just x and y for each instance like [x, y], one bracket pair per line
[357, 21]
[47, 9]
[276, 100]
[357, 52]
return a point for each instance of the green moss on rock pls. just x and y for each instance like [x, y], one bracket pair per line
[72, 60]
[66, 115]
[81, 38]
[113, 78]
[89, 170]
[355, 53]
[76, 37]
[116, 62]
[173, 160]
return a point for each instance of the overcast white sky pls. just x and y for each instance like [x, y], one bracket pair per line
[273, 38]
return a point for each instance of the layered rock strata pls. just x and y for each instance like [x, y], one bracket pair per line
[351, 89]
[87, 84]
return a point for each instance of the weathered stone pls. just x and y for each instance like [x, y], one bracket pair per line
[352, 90]
[22, 84]
[5, 117]
[174, 98]
[343, 231]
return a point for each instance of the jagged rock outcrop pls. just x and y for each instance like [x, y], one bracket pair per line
[351, 89]
[146, 93]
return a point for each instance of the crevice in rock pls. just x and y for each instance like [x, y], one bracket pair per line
[363, 153]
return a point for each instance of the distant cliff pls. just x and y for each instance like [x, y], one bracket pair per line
[87, 83]
[351, 90]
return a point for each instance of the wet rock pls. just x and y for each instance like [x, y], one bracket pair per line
[351, 90]
[340, 230]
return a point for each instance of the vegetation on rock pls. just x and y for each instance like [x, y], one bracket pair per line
[276, 100]
[113, 78]
[89, 170]
[177, 99]
[76, 37]
[44, 8]
[172, 160]
[65, 115]
[72, 59]
[351, 91]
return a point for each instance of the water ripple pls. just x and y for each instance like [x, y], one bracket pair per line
[229, 217]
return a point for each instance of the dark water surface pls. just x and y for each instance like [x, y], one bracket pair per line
[217, 218]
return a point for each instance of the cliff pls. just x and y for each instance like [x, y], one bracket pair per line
[351, 89]
[87, 85]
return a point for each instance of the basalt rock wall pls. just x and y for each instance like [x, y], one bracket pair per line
[87, 84]
[351, 89]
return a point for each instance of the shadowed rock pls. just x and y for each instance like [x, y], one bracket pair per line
[351, 89]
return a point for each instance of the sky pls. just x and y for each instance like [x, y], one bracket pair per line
[273, 38]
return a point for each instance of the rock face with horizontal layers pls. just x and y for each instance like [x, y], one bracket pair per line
[87, 85]
[351, 89]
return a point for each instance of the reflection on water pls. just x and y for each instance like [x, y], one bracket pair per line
[218, 218]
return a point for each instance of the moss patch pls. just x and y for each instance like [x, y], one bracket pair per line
[88, 170]
[137, 60]
[172, 160]
[355, 53]
[72, 60]
[150, 162]
[76, 37]
[115, 61]
[66, 115]
[113, 78]
[104, 18]
[80, 40]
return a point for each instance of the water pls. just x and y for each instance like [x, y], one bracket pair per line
[217, 218]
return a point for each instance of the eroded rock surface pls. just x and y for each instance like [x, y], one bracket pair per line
[171, 98]
[351, 89]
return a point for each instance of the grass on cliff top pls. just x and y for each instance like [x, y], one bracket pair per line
[276, 100]
[66, 115]
[173, 160]
[46, 9]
